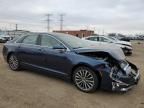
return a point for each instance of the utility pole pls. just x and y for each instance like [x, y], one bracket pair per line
[48, 21]
[61, 21]
[16, 27]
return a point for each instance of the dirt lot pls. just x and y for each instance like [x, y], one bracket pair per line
[26, 89]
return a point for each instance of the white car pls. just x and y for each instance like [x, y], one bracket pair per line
[125, 46]
[4, 38]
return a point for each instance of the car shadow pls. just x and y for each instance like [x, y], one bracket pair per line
[47, 74]
[69, 82]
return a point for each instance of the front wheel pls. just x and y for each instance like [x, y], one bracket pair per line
[85, 79]
[13, 62]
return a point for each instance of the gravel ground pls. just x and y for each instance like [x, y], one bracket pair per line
[27, 89]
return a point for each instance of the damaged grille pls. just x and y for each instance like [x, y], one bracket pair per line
[114, 73]
[132, 73]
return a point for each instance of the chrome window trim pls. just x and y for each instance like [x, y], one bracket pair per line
[67, 49]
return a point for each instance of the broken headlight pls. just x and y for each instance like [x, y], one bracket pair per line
[123, 64]
[115, 74]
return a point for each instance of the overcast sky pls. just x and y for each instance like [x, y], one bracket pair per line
[125, 16]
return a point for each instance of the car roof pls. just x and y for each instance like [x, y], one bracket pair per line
[97, 36]
[51, 33]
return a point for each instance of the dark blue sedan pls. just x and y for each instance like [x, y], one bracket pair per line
[89, 66]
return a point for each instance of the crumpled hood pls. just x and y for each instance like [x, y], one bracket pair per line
[115, 51]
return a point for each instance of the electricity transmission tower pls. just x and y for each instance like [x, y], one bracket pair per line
[61, 21]
[48, 21]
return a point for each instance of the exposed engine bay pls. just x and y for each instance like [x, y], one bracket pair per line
[102, 56]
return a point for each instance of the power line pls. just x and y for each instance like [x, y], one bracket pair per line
[48, 21]
[61, 21]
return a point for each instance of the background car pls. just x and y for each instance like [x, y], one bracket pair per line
[88, 66]
[4, 37]
[126, 46]
[119, 36]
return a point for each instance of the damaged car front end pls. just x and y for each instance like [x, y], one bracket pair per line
[118, 74]
[124, 76]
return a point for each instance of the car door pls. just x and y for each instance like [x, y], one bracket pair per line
[29, 51]
[55, 59]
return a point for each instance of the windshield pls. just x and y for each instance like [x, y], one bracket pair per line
[75, 42]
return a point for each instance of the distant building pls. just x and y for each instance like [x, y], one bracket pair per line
[78, 33]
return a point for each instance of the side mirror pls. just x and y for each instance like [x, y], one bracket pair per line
[60, 48]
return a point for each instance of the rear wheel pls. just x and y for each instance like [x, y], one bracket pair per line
[13, 62]
[85, 79]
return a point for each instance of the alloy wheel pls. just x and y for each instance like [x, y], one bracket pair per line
[13, 62]
[84, 79]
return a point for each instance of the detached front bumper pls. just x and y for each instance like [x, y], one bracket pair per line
[123, 87]
[113, 82]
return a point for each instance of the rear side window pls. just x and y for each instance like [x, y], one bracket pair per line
[93, 38]
[49, 42]
[102, 39]
[31, 39]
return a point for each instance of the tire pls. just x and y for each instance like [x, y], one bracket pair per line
[13, 62]
[85, 79]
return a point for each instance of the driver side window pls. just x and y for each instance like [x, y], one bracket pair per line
[49, 42]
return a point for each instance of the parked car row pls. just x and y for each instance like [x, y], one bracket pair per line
[128, 37]
[125, 46]
[119, 36]
[88, 65]
[137, 37]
